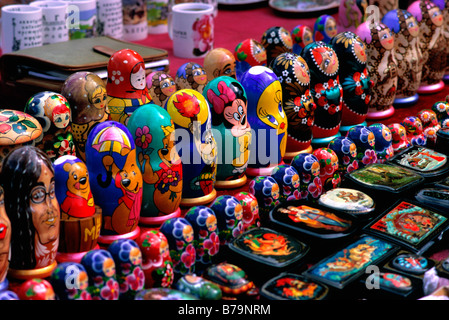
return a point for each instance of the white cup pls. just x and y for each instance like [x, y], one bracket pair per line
[21, 27]
[54, 20]
[82, 18]
[191, 27]
[135, 25]
[110, 18]
[157, 16]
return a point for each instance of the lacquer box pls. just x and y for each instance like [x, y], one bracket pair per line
[351, 201]
[437, 198]
[410, 264]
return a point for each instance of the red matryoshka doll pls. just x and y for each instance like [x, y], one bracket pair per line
[298, 104]
[365, 141]
[197, 148]
[161, 85]
[101, 272]
[326, 90]
[229, 213]
[126, 86]
[228, 104]
[267, 119]
[86, 95]
[36, 289]
[346, 152]
[80, 218]
[191, 75]
[433, 44]
[5, 242]
[27, 178]
[383, 142]
[115, 180]
[329, 175]
[350, 15]
[287, 178]
[53, 112]
[398, 137]
[308, 168]
[325, 28]
[70, 281]
[249, 53]
[276, 40]
[430, 125]
[414, 129]
[266, 190]
[128, 267]
[219, 62]
[302, 35]
[382, 68]
[153, 132]
[250, 208]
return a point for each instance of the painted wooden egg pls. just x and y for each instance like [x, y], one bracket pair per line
[329, 174]
[229, 213]
[302, 35]
[308, 168]
[36, 289]
[161, 85]
[365, 141]
[287, 178]
[249, 53]
[276, 40]
[219, 62]
[250, 207]
[325, 28]
[199, 287]
[70, 281]
[5, 242]
[414, 129]
[383, 142]
[398, 137]
[350, 15]
[191, 75]
[266, 190]
[346, 151]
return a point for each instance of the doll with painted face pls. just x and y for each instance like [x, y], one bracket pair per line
[414, 130]
[229, 213]
[266, 190]
[249, 53]
[27, 178]
[287, 178]
[365, 141]
[346, 152]
[302, 35]
[250, 208]
[325, 28]
[276, 40]
[308, 168]
[329, 174]
[5, 242]
[444, 7]
[70, 281]
[219, 62]
[398, 137]
[228, 104]
[191, 75]
[293, 74]
[350, 15]
[161, 85]
[430, 125]
[383, 142]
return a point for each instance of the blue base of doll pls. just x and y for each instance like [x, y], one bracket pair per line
[431, 88]
[323, 142]
[406, 102]
[344, 129]
[446, 78]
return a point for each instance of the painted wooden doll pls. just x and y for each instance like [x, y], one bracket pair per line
[308, 168]
[27, 178]
[229, 213]
[287, 178]
[219, 62]
[267, 119]
[382, 68]
[346, 152]
[326, 90]
[161, 85]
[70, 281]
[249, 53]
[266, 190]
[5, 242]
[350, 15]
[430, 125]
[383, 142]
[365, 141]
[383, 5]
[329, 174]
[444, 7]
[126, 86]
[115, 180]
[86, 95]
[191, 75]
[80, 218]
[302, 35]
[8, 295]
[441, 109]
[398, 137]
[191, 115]
[298, 104]
[325, 28]
[36, 289]
[153, 132]
[228, 104]
[157, 264]
[414, 129]
[276, 40]
[250, 208]
[53, 112]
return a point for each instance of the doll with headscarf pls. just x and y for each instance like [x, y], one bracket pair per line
[249, 53]
[325, 28]
[276, 40]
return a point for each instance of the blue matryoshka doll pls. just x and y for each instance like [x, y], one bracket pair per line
[249, 53]
[229, 213]
[70, 281]
[153, 132]
[266, 190]
[115, 180]
[383, 142]
[8, 295]
[346, 151]
[191, 75]
[365, 141]
[302, 35]
[308, 168]
[325, 28]
[267, 119]
[276, 40]
[287, 178]
[228, 105]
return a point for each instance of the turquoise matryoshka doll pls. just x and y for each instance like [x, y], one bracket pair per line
[325, 28]
[70, 281]
[302, 35]
[249, 53]
[191, 75]
[365, 141]
[288, 180]
[266, 190]
[153, 133]
[276, 40]
[267, 119]
[383, 142]
[346, 151]
[229, 213]
[308, 168]
[232, 132]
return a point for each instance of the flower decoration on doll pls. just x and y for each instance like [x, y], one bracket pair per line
[203, 36]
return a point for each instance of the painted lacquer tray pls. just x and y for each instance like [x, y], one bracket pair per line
[434, 197]
[291, 286]
[409, 263]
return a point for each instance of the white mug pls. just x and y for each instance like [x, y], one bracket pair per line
[82, 18]
[135, 25]
[191, 27]
[110, 18]
[54, 20]
[21, 27]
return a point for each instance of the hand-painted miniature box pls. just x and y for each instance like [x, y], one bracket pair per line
[351, 201]
[437, 198]
[409, 264]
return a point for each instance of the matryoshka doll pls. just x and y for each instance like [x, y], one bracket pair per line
[126, 85]
[157, 264]
[326, 90]
[27, 178]
[228, 104]
[365, 141]
[302, 35]
[325, 28]
[161, 85]
[115, 180]
[287, 178]
[346, 152]
[153, 132]
[383, 142]
[128, 267]
[266, 190]
[433, 44]
[382, 68]
[250, 208]
[5, 242]
[414, 129]
[398, 137]
[267, 119]
[444, 7]
[53, 112]
[191, 115]
[441, 109]
[249, 53]
[430, 125]
[276, 40]
[191, 75]
[36, 289]
[219, 62]
[101, 272]
[329, 174]
[350, 15]
[86, 95]
[229, 213]
[80, 218]
[70, 281]
[298, 104]
[308, 168]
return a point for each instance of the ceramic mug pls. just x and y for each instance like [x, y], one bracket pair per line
[82, 18]
[110, 18]
[135, 25]
[54, 18]
[191, 27]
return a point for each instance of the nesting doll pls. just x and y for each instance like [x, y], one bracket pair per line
[365, 141]
[325, 28]
[441, 109]
[126, 85]
[432, 43]
[349, 15]
[414, 130]
[382, 68]
[329, 175]
[308, 168]
[302, 35]
[326, 90]
[27, 178]
[249, 53]
[219, 62]
[383, 142]
[444, 7]
[276, 40]
[229, 213]
[70, 281]
[179, 234]
[408, 55]
[199, 287]
[266, 191]
[398, 137]
[36, 289]
[128, 267]
[250, 208]
[8, 295]
[101, 272]
[115, 180]
[298, 104]
[287, 178]
[86, 95]
[53, 112]
[228, 104]
[5, 242]
[157, 264]
[191, 115]
[430, 125]
[191, 75]
[346, 152]
[80, 218]
[267, 120]
[354, 78]
[161, 85]
[153, 132]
